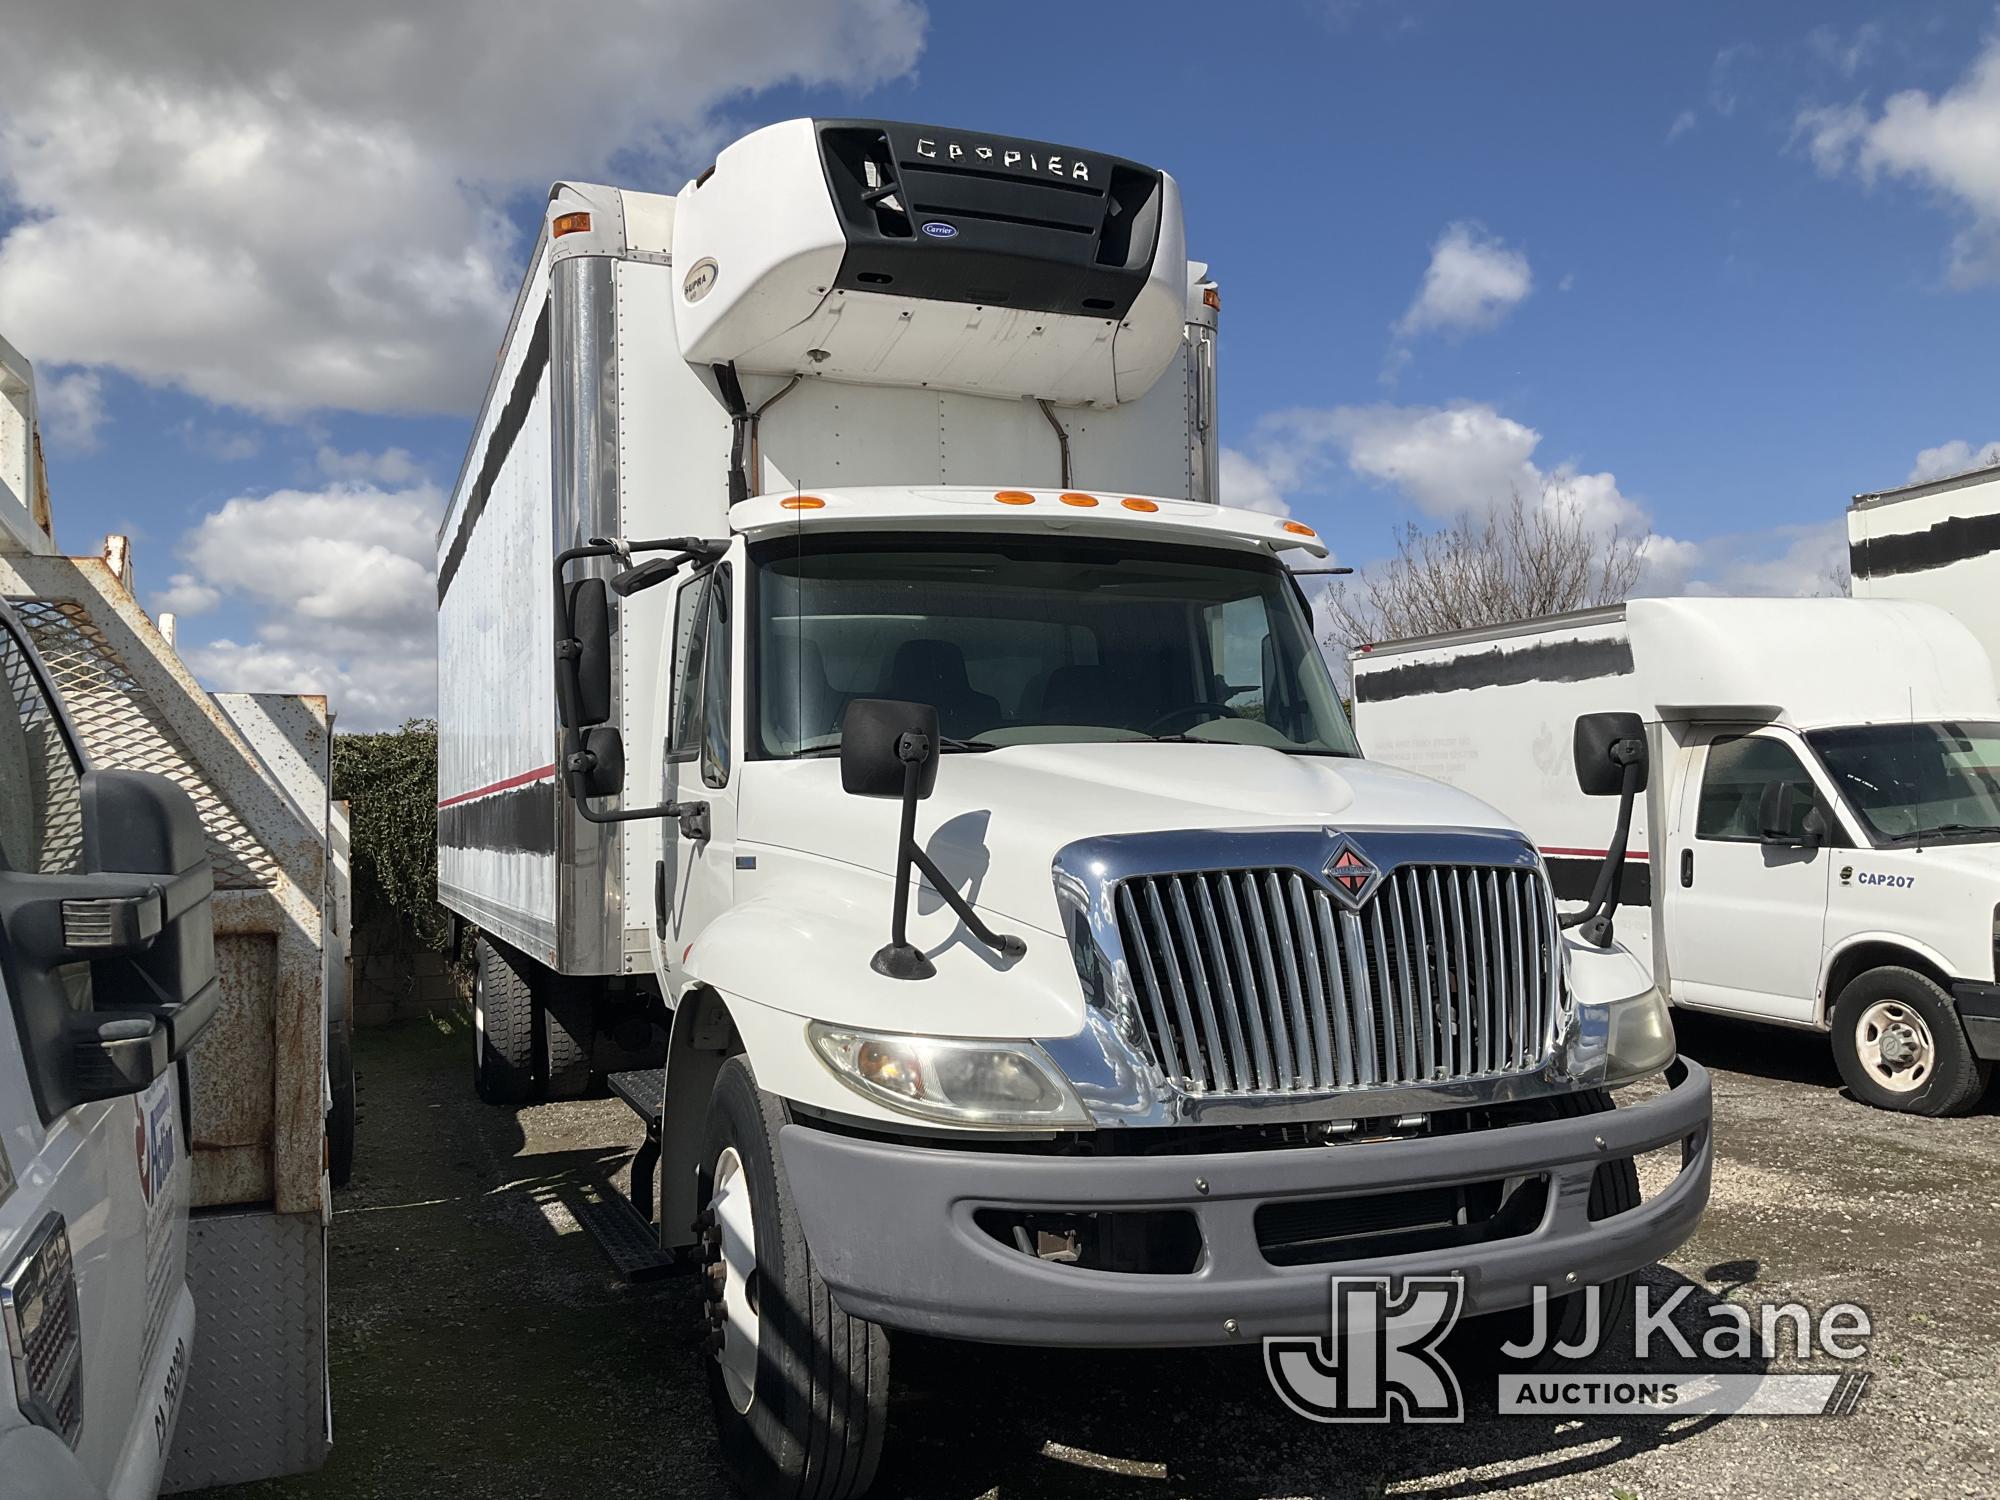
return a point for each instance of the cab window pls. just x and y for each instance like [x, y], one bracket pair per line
[701, 677]
[41, 784]
[1739, 768]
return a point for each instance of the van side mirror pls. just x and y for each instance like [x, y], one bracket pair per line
[889, 748]
[1777, 807]
[1610, 754]
[1604, 745]
[583, 655]
[140, 917]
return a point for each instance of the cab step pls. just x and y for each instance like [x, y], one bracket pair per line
[627, 1239]
[642, 1089]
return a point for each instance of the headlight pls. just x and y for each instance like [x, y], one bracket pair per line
[958, 1082]
[1638, 1037]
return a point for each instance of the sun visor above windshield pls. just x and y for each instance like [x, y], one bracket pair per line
[910, 255]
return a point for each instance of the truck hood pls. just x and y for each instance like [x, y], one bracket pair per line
[997, 818]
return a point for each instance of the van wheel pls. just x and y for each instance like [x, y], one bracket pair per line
[800, 1390]
[503, 1027]
[1475, 1344]
[1901, 1046]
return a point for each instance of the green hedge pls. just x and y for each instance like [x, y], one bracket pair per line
[389, 782]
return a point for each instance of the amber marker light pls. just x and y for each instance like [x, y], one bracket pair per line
[803, 502]
[1073, 498]
[1211, 298]
[1140, 505]
[1014, 497]
[563, 224]
[1299, 528]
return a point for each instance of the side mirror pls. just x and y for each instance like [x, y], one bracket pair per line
[1777, 809]
[877, 748]
[1610, 753]
[140, 917]
[583, 655]
[602, 773]
[1604, 745]
[889, 748]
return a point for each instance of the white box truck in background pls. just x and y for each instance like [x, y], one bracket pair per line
[1820, 844]
[1937, 542]
[163, 1194]
[876, 468]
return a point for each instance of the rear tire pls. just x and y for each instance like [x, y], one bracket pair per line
[1475, 1343]
[569, 1036]
[1900, 1045]
[503, 1026]
[805, 1420]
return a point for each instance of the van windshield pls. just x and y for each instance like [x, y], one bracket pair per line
[1037, 641]
[1938, 780]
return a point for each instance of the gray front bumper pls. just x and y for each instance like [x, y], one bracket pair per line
[891, 1226]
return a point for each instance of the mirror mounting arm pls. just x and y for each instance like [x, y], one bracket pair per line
[1596, 917]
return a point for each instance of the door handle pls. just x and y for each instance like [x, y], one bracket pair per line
[1687, 867]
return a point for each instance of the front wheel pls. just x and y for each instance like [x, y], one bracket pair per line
[1900, 1045]
[800, 1390]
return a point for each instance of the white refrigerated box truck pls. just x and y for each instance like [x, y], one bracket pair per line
[848, 678]
[166, 1110]
[1820, 841]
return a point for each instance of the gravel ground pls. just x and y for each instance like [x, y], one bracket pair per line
[483, 1347]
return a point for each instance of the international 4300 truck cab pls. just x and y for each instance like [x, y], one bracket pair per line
[955, 792]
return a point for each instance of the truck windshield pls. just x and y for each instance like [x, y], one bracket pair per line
[1919, 780]
[1035, 642]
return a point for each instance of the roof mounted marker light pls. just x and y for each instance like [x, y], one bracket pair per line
[1072, 497]
[1299, 528]
[574, 223]
[1014, 497]
[1132, 502]
[803, 502]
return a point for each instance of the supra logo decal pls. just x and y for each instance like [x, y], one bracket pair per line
[700, 279]
[1352, 874]
[1052, 165]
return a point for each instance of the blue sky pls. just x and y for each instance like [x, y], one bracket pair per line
[1713, 267]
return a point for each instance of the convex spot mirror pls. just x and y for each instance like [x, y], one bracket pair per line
[1604, 745]
[871, 736]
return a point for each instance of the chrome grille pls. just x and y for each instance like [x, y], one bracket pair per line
[1260, 981]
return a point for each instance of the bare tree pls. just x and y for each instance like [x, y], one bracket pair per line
[1515, 562]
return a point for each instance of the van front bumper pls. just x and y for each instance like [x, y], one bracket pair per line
[892, 1228]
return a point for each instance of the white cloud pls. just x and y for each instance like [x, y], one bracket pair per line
[1954, 457]
[343, 584]
[300, 208]
[1950, 143]
[1683, 123]
[1796, 559]
[391, 466]
[1844, 53]
[1473, 281]
[186, 595]
[1247, 483]
[71, 409]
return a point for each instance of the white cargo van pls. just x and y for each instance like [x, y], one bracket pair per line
[847, 675]
[1820, 845]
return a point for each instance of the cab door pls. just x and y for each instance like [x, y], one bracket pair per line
[696, 879]
[93, 1197]
[1745, 917]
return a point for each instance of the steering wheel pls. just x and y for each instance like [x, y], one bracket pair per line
[1189, 711]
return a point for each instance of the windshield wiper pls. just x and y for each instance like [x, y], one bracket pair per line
[1937, 829]
[948, 743]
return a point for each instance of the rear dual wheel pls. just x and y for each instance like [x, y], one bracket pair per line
[800, 1390]
[531, 1029]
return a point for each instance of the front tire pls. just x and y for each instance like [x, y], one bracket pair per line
[800, 1389]
[1900, 1045]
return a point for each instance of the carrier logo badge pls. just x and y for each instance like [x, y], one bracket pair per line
[941, 231]
[1352, 874]
[700, 279]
